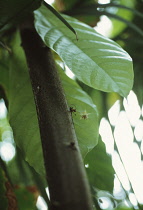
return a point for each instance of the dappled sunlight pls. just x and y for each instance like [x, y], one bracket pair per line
[71, 105]
[113, 113]
[103, 1]
[7, 151]
[132, 108]
[41, 204]
[118, 191]
[138, 131]
[123, 132]
[133, 199]
[127, 127]
[105, 203]
[106, 30]
[107, 136]
[120, 171]
[3, 110]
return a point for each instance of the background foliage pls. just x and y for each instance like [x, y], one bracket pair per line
[15, 90]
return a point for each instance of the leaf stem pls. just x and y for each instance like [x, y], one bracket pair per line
[61, 18]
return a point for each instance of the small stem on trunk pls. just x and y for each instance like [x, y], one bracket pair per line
[66, 177]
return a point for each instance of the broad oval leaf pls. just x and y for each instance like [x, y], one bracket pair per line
[23, 117]
[96, 60]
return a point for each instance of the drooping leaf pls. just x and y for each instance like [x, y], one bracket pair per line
[86, 128]
[95, 60]
[11, 11]
[99, 168]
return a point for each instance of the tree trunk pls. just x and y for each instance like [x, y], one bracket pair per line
[66, 177]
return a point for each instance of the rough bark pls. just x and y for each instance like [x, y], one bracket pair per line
[66, 177]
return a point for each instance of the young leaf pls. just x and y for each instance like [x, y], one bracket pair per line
[95, 60]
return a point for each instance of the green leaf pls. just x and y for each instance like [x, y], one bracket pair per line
[26, 199]
[86, 129]
[14, 9]
[95, 60]
[99, 168]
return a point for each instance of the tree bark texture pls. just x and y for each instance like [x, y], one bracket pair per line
[66, 177]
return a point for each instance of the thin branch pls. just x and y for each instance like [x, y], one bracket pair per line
[61, 18]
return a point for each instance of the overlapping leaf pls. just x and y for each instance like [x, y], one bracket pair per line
[97, 61]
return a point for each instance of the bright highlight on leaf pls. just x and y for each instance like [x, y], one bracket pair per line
[97, 61]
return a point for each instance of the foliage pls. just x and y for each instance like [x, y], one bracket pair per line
[98, 63]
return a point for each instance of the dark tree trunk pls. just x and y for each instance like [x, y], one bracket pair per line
[66, 177]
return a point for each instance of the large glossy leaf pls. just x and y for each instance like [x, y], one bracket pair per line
[96, 61]
[23, 118]
[99, 168]
[12, 10]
